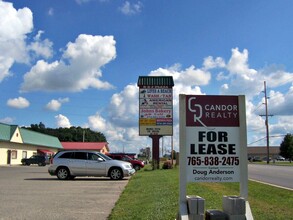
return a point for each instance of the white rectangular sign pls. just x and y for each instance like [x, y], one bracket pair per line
[213, 142]
[212, 155]
[212, 139]
[155, 111]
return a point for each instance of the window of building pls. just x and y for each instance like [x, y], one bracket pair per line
[14, 154]
[24, 154]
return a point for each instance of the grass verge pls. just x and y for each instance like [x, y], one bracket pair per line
[276, 163]
[154, 195]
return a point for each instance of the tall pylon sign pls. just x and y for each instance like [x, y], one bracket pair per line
[155, 110]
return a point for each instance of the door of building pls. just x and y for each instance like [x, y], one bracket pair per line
[9, 157]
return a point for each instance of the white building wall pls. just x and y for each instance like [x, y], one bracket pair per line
[3, 156]
[18, 151]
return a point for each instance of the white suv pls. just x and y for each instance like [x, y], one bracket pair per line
[69, 164]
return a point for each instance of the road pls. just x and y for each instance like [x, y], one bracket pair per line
[275, 175]
[31, 193]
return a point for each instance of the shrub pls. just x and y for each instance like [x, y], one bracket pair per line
[167, 165]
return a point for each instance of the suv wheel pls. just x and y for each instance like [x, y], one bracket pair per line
[116, 174]
[63, 173]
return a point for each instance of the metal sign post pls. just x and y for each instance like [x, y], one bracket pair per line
[156, 151]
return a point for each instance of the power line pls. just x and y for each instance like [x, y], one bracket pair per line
[272, 136]
[284, 82]
[257, 141]
[257, 108]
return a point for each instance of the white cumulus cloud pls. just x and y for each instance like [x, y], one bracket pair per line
[123, 107]
[62, 121]
[211, 63]
[19, 103]
[55, 105]
[242, 79]
[42, 48]
[14, 25]
[79, 68]
[238, 64]
[7, 120]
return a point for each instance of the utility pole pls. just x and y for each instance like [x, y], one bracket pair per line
[267, 123]
[83, 134]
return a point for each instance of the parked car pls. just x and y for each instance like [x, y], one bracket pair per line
[280, 158]
[137, 164]
[35, 159]
[266, 158]
[254, 159]
[69, 164]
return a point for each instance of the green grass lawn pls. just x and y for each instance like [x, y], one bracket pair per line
[154, 195]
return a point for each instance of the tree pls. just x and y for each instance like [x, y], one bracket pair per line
[286, 147]
[72, 134]
[145, 152]
[174, 154]
[42, 125]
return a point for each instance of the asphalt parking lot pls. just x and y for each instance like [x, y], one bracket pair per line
[29, 192]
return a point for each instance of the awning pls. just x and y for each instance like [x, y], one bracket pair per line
[45, 151]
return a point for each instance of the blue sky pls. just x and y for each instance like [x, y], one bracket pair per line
[76, 62]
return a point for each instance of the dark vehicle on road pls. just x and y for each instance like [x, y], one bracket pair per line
[35, 159]
[254, 159]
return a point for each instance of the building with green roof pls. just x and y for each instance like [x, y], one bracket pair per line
[17, 143]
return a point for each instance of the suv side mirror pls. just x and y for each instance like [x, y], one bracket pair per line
[100, 159]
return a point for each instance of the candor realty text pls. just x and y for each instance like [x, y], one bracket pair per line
[221, 111]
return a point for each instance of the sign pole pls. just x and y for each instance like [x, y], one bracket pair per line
[156, 151]
[183, 213]
[243, 148]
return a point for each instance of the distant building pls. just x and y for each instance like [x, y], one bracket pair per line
[17, 143]
[261, 151]
[95, 146]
